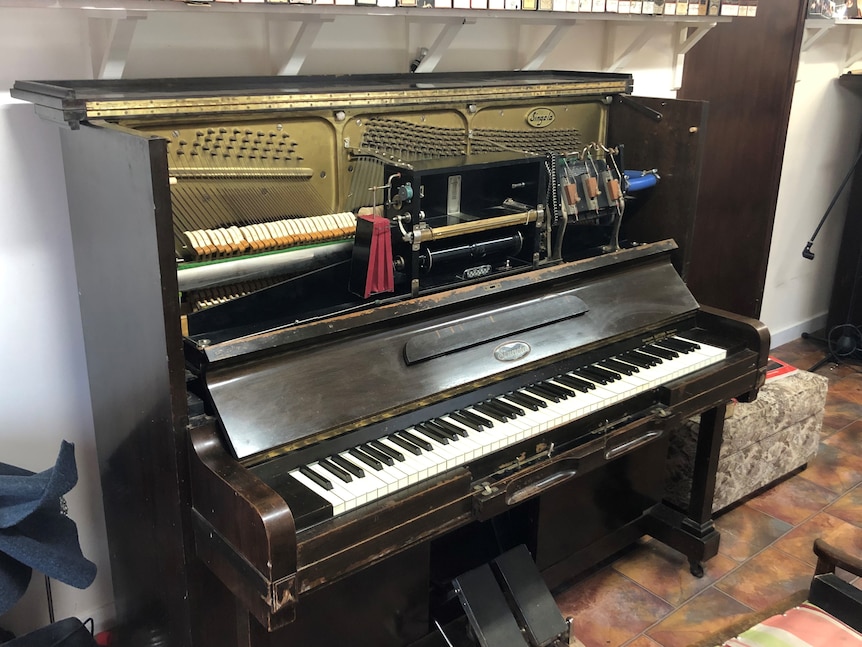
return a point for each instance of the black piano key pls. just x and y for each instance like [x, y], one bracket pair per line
[491, 412]
[376, 454]
[575, 382]
[428, 424]
[587, 374]
[613, 376]
[652, 359]
[428, 432]
[464, 420]
[416, 440]
[345, 464]
[365, 458]
[682, 345]
[482, 421]
[389, 451]
[525, 400]
[500, 408]
[664, 353]
[448, 426]
[404, 444]
[620, 367]
[536, 389]
[564, 391]
[515, 410]
[336, 471]
[317, 478]
[634, 359]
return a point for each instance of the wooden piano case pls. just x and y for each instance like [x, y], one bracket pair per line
[204, 551]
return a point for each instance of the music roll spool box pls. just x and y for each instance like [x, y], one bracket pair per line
[451, 220]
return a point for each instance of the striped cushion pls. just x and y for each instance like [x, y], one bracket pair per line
[802, 626]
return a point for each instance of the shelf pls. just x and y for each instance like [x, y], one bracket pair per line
[112, 25]
[816, 28]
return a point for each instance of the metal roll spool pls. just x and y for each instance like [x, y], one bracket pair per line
[485, 251]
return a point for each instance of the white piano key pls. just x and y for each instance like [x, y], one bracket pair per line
[387, 480]
[351, 498]
[359, 487]
[448, 452]
[338, 506]
[419, 465]
[705, 349]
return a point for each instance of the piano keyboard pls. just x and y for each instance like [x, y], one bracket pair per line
[381, 467]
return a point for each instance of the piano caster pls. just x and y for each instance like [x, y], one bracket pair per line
[696, 569]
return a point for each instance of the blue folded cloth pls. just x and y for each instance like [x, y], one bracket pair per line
[35, 533]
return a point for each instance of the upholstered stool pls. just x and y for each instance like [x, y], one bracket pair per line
[763, 440]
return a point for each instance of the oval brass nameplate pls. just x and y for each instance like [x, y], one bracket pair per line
[511, 351]
[541, 117]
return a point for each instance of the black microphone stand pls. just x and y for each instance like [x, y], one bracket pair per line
[848, 340]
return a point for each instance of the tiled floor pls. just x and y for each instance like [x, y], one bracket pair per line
[648, 598]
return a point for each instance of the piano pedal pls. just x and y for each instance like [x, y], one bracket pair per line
[507, 604]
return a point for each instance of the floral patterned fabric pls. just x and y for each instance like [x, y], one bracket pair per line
[763, 440]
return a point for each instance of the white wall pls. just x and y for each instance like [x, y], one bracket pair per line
[822, 144]
[43, 387]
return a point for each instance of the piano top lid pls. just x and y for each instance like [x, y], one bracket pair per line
[73, 101]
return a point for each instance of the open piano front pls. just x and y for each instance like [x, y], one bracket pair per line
[408, 338]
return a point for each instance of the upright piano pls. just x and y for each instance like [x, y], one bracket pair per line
[349, 337]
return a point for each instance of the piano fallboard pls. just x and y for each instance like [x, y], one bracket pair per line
[302, 393]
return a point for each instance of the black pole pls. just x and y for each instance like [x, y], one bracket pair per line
[807, 253]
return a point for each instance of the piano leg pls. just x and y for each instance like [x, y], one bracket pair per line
[693, 532]
[699, 520]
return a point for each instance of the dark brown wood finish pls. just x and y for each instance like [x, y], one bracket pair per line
[670, 139]
[746, 69]
[121, 231]
[244, 531]
[207, 549]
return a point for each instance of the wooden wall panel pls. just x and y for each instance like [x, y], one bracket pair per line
[746, 69]
[674, 145]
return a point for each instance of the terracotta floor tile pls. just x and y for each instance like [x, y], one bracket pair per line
[848, 439]
[848, 507]
[840, 412]
[608, 609]
[849, 388]
[834, 469]
[800, 353]
[643, 641]
[665, 572]
[794, 500]
[799, 541]
[699, 618]
[746, 531]
[766, 579]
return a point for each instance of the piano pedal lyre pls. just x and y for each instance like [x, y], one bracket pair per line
[507, 604]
